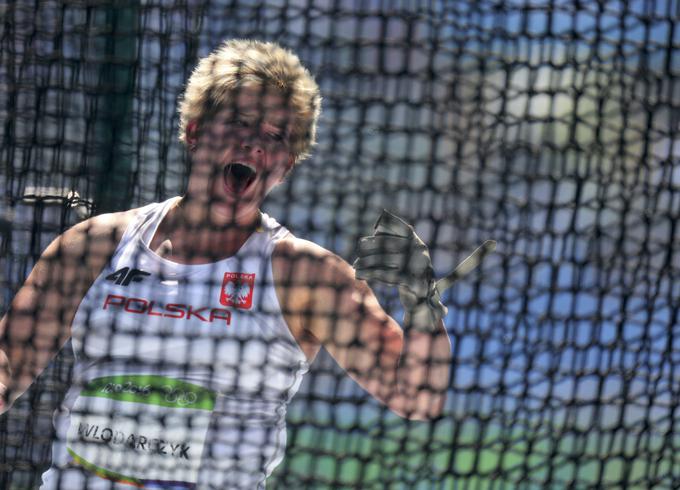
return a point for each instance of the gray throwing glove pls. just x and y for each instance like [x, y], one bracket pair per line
[395, 255]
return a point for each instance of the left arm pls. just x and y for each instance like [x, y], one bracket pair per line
[407, 370]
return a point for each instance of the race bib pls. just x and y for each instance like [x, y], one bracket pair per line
[141, 430]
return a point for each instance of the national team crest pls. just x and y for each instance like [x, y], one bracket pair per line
[237, 290]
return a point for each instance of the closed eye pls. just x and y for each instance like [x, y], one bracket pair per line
[240, 122]
[275, 136]
[273, 132]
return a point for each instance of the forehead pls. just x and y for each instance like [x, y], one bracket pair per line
[261, 102]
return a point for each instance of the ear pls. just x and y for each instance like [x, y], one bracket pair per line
[290, 164]
[191, 134]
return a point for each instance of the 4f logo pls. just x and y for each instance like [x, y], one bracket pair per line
[237, 290]
[126, 275]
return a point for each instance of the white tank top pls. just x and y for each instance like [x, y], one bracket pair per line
[182, 373]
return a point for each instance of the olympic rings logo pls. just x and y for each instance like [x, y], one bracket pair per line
[178, 396]
[168, 393]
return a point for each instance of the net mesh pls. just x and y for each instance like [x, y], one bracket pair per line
[550, 126]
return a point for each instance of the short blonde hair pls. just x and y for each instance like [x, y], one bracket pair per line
[237, 63]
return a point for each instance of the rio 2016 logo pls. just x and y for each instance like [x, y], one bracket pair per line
[169, 394]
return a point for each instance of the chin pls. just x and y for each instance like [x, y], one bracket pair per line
[232, 209]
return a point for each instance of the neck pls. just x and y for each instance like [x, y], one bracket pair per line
[190, 234]
[195, 214]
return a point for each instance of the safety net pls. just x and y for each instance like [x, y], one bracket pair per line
[549, 126]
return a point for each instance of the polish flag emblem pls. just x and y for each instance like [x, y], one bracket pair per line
[237, 290]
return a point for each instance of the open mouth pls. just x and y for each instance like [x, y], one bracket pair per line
[238, 177]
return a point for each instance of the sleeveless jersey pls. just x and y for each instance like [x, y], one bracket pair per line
[182, 373]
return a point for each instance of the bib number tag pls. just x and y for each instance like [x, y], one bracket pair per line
[141, 430]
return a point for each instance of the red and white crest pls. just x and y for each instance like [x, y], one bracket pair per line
[237, 290]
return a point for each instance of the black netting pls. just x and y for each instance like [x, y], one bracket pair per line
[549, 126]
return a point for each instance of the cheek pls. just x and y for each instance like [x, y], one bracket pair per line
[204, 166]
[216, 139]
[210, 152]
[202, 161]
[278, 166]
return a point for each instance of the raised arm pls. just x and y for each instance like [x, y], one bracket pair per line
[38, 321]
[406, 369]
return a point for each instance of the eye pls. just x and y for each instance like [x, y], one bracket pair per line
[274, 136]
[240, 122]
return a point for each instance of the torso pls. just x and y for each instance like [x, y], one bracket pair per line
[171, 245]
[114, 332]
[103, 236]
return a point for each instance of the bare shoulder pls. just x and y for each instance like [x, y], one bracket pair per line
[308, 263]
[292, 245]
[319, 281]
[321, 290]
[90, 243]
[105, 227]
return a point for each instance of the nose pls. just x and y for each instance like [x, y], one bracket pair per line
[251, 141]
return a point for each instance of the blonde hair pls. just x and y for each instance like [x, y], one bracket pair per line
[237, 63]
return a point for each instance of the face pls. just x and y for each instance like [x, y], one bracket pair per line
[240, 154]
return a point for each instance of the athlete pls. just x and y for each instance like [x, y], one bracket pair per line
[193, 320]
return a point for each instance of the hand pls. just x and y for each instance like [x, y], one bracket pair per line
[394, 254]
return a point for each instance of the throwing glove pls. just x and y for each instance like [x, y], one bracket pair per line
[395, 255]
